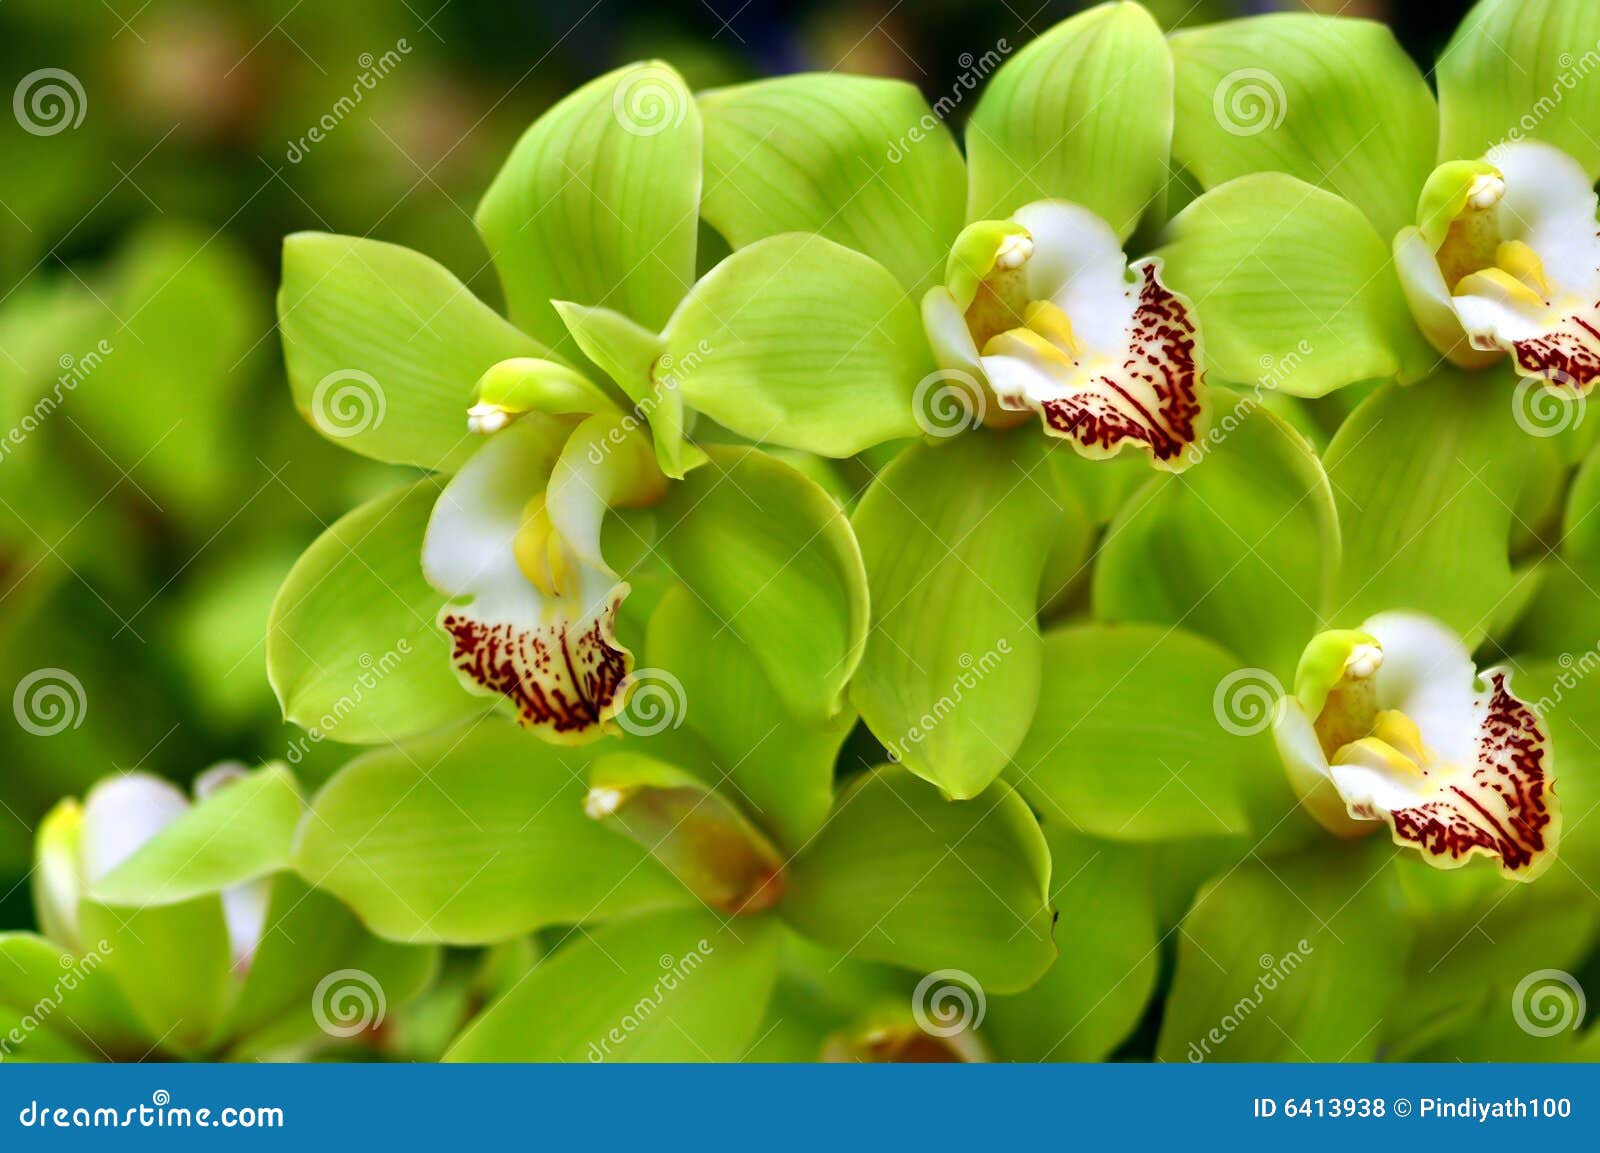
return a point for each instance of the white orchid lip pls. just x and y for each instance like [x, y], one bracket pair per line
[514, 541]
[1393, 723]
[1042, 309]
[1506, 259]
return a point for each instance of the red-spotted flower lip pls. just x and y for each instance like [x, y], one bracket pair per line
[1515, 269]
[1063, 326]
[514, 541]
[1399, 727]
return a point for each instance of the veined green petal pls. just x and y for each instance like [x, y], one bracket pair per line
[1084, 113]
[1100, 759]
[599, 202]
[353, 651]
[798, 341]
[900, 875]
[778, 766]
[1333, 101]
[955, 538]
[773, 558]
[470, 836]
[384, 347]
[1521, 70]
[1315, 944]
[707, 985]
[1242, 549]
[862, 161]
[1293, 288]
[1426, 478]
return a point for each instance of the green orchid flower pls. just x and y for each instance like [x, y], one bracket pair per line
[172, 928]
[1017, 257]
[561, 472]
[1343, 200]
[696, 861]
[1388, 723]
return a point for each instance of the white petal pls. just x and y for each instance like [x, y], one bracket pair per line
[120, 814]
[244, 907]
[1427, 673]
[1550, 206]
[1078, 264]
[555, 658]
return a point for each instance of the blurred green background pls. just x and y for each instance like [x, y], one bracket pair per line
[155, 480]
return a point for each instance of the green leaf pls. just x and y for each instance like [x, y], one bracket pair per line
[859, 160]
[1100, 759]
[903, 876]
[798, 341]
[241, 832]
[172, 962]
[353, 650]
[599, 202]
[1083, 113]
[471, 836]
[1094, 994]
[1518, 70]
[1334, 101]
[58, 1006]
[669, 987]
[955, 538]
[694, 831]
[779, 767]
[317, 960]
[1294, 959]
[1294, 290]
[1426, 478]
[1241, 548]
[384, 348]
[772, 557]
